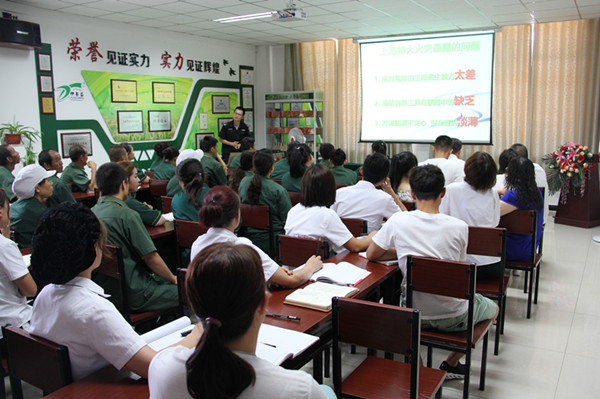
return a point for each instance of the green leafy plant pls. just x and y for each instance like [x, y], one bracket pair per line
[28, 136]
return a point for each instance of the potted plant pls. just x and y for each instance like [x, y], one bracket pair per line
[15, 133]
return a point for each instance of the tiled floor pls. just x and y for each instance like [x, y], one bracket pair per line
[556, 353]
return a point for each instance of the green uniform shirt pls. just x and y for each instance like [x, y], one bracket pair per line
[164, 171]
[155, 163]
[214, 171]
[76, 177]
[6, 181]
[272, 194]
[344, 176]
[281, 168]
[149, 216]
[185, 209]
[235, 162]
[173, 187]
[60, 192]
[24, 217]
[124, 228]
[291, 183]
[326, 163]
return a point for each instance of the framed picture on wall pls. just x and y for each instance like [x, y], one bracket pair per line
[46, 84]
[200, 136]
[130, 121]
[159, 121]
[220, 104]
[70, 139]
[163, 93]
[247, 98]
[246, 76]
[44, 62]
[223, 122]
[123, 91]
[203, 120]
[249, 120]
[47, 104]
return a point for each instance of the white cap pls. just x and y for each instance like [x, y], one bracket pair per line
[29, 177]
[189, 154]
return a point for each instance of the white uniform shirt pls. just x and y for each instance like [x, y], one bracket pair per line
[364, 201]
[217, 235]
[433, 235]
[13, 306]
[317, 222]
[167, 378]
[475, 208]
[78, 315]
[453, 171]
[454, 158]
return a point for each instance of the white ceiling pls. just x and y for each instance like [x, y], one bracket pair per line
[325, 18]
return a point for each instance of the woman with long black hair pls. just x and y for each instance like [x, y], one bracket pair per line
[300, 158]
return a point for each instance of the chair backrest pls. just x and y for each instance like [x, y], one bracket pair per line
[294, 197]
[410, 205]
[488, 241]
[376, 326]
[522, 222]
[338, 186]
[113, 266]
[187, 231]
[256, 216]
[181, 274]
[357, 227]
[166, 203]
[37, 361]
[158, 188]
[295, 251]
[150, 174]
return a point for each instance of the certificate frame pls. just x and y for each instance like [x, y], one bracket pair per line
[70, 139]
[44, 62]
[163, 92]
[200, 136]
[247, 76]
[223, 122]
[130, 122]
[159, 121]
[220, 104]
[249, 120]
[247, 97]
[47, 105]
[126, 93]
[46, 83]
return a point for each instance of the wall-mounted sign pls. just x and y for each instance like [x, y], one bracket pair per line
[203, 120]
[130, 121]
[163, 93]
[47, 104]
[44, 62]
[249, 120]
[123, 91]
[68, 140]
[159, 121]
[246, 76]
[46, 85]
[220, 104]
[247, 97]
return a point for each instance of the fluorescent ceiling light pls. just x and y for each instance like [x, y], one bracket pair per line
[246, 17]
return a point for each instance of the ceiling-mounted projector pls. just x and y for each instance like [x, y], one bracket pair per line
[290, 13]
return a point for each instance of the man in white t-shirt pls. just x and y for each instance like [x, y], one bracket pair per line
[426, 232]
[455, 155]
[363, 200]
[442, 149]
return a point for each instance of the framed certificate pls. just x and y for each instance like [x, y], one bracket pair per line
[203, 120]
[247, 98]
[246, 76]
[220, 104]
[130, 121]
[68, 140]
[249, 120]
[44, 62]
[123, 91]
[159, 121]
[163, 93]
[223, 122]
[47, 104]
[46, 84]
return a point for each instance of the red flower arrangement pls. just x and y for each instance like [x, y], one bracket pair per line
[570, 165]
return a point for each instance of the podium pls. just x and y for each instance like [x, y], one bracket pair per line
[581, 211]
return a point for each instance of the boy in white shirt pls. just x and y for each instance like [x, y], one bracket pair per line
[426, 232]
[442, 149]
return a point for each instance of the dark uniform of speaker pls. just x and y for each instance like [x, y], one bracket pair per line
[19, 34]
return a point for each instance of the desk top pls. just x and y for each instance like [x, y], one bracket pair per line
[84, 196]
[165, 230]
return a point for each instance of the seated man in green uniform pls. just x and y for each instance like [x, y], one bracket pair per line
[52, 161]
[75, 175]
[214, 167]
[8, 159]
[342, 175]
[282, 167]
[325, 150]
[247, 144]
[151, 284]
[149, 215]
[33, 187]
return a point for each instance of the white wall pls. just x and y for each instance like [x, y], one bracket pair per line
[269, 78]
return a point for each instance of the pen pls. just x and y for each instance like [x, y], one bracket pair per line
[271, 345]
[284, 317]
[186, 333]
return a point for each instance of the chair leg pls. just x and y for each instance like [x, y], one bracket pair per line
[438, 394]
[326, 364]
[16, 388]
[498, 328]
[467, 375]
[537, 283]
[2, 386]
[503, 315]
[525, 282]
[429, 356]
[318, 368]
[483, 362]
[529, 295]
[353, 349]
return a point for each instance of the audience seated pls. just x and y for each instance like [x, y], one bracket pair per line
[325, 150]
[300, 158]
[260, 190]
[540, 174]
[442, 148]
[72, 310]
[475, 202]
[380, 147]
[51, 161]
[186, 204]
[226, 288]
[401, 166]
[341, 174]
[117, 153]
[8, 159]
[247, 144]
[214, 167]
[283, 166]
[221, 214]
[313, 218]
[503, 160]
[364, 200]
[150, 216]
[158, 153]
[435, 235]
[173, 186]
[16, 284]
[130, 157]
[33, 187]
[244, 169]
[74, 174]
[166, 169]
[455, 154]
[523, 194]
[151, 284]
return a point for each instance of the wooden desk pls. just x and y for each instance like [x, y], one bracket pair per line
[166, 230]
[80, 197]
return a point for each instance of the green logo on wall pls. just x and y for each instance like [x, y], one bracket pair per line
[72, 92]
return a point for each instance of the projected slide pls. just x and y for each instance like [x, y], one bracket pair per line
[416, 89]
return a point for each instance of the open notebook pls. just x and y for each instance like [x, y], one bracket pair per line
[342, 273]
[275, 344]
[318, 295]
